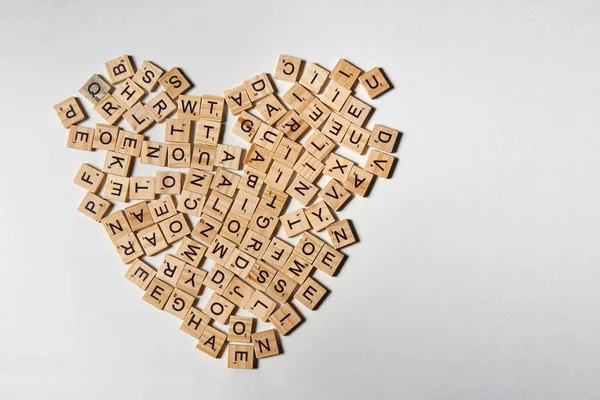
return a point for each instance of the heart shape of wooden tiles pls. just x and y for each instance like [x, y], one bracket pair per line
[236, 216]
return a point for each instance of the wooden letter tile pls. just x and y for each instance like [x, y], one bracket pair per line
[261, 275]
[170, 269]
[147, 76]
[341, 233]
[116, 225]
[105, 137]
[197, 181]
[218, 308]
[204, 157]
[109, 109]
[268, 137]
[355, 111]
[319, 215]
[211, 341]
[152, 240]
[264, 222]
[302, 190]
[260, 305]
[240, 329]
[359, 181]
[319, 145]
[297, 97]
[160, 106]
[94, 206]
[229, 157]
[140, 274]
[94, 89]
[309, 167]
[217, 205]
[380, 163]
[129, 143]
[188, 107]
[287, 68]
[296, 268]
[285, 319]
[336, 127]
[335, 96]
[237, 99]
[273, 200]
[212, 108]
[128, 93]
[218, 278]
[356, 139]
[191, 203]
[207, 132]
[265, 343]
[174, 82]
[334, 195]
[179, 155]
[244, 205]
[194, 323]
[118, 69]
[258, 158]
[294, 223]
[246, 126]
[154, 153]
[279, 176]
[175, 228]
[158, 293]
[329, 260]
[116, 188]
[138, 118]
[138, 216]
[191, 280]
[252, 181]
[281, 287]
[179, 303]
[234, 228]
[314, 77]
[374, 82]
[384, 138]
[338, 167]
[128, 247]
[69, 112]
[240, 356]
[161, 209]
[225, 182]
[271, 109]
[310, 294]
[308, 247]
[178, 130]
[258, 86]
[89, 178]
[316, 113]
[254, 244]
[80, 138]
[206, 228]
[277, 253]
[240, 264]
[345, 73]
[168, 182]
[288, 152]
[220, 250]
[238, 292]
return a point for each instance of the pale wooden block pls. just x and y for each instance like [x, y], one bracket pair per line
[110, 109]
[258, 87]
[359, 181]
[94, 206]
[229, 157]
[188, 107]
[206, 228]
[140, 274]
[197, 181]
[384, 138]
[217, 205]
[175, 228]
[160, 106]
[147, 76]
[237, 99]
[268, 137]
[194, 323]
[89, 178]
[212, 108]
[128, 247]
[281, 287]
[294, 223]
[265, 343]
[355, 111]
[287, 68]
[335, 96]
[319, 215]
[167, 182]
[309, 167]
[138, 216]
[319, 145]
[287, 152]
[220, 250]
[311, 293]
[116, 188]
[271, 109]
[154, 153]
[105, 137]
[329, 260]
[138, 118]
[356, 139]
[334, 194]
[225, 182]
[374, 82]
[211, 341]
[244, 205]
[277, 253]
[129, 143]
[254, 244]
[252, 181]
[179, 303]
[191, 280]
[273, 200]
[314, 77]
[258, 158]
[308, 247]
[279, 176]
[260, 305]
[152, 240]
[380, 163]
[240, 264]
[174, 82]
[208, 132]
[203, 157]
[264, 222]
[336, 127]
[158, 293]
[69, 112]
[234, 228]
[240, 329]
[341, 233]
[161, 209]
[338, 167]
[117, 165]
[179, 155]
[246, 126]
[345, 73]
[178, 130]
[80, 138]
[191, 203]
[297, 97]
[118, 69]
[170, 270]
[297, 268]
[191, 251]
[94, 89]
[218, 308]
[302, 190]
[315, 114]
[238, 292]
[128, 93]
[285, 319]
[116, 225]
[218, 278]
[240, 356]
[261, 275]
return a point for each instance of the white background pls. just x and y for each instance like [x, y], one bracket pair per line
[477, 272]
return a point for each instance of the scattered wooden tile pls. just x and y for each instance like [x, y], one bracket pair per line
[158, 293]
[265, 343]
[287, 68]
[309, 167]
[154, 153]
[285, 319]
[138, 118]
[160, 106]
[345, 73]
[217, 205]
[118, 69]
[191, 280]
[258, 87]
[238, 292]
[298, 97]
[310, 293]
[380, 163]
[152, 240]
[252, 181]
[208, 132]
[329, 260]
[178, 130]
[174, 82]
[218, 278]
[191, 203]
[116, 225]
[258, 158]
[294, 223]
[179, 303]
[338, 167]
[316, 113]
[358, 181]
[336, 127]
[246, 126]
[264, 222]
[273, 200]
[261, 275]
[319, 215]
[212, 108]
[281, 287]
[170, 270]
[244, 205]
[175, 228]
[220, 250]
[271, 109]
[128, 247]
[268, 137]
[140, 274]
[203, 157]
[334, 194]
[287, 152]
[194, 323]
[254, 244]
[117, 164]
[89, 178]
[356, 139]
[237, 99]
[129, 143]
[277, 253]
[296, 268]
[355, 111]
[260, 305]
[116, 188]
[211, 341]
[206, 228]
[190, 251]
[179, 155]
[308, 247]
[302, 190]
[80, 138]
[240, 264]
[138, 216]
[197, 181]
[234, 228]
[229, 157]
[240, 356]
[161, 209]
[374, 82]
[384, 138]
[105, 137]
[188, 107]
[335, 96]
[314, 77]
[168, 182]
[240, 329]
[94, 89]
[128, 93]
[69, 112]
[279, 176]
[218, 308]
[341, 233]
[94, 206]
[319, 145]
[110, 109]
[147, 76]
